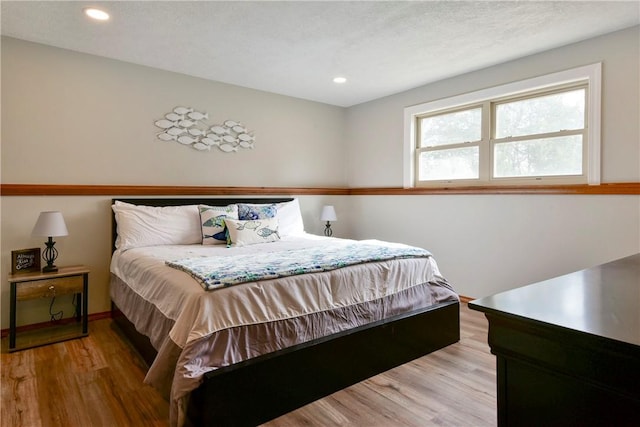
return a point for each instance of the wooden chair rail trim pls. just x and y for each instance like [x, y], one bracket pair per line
[615, 188]
[157, 190]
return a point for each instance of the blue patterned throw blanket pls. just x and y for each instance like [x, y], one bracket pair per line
[221, 271]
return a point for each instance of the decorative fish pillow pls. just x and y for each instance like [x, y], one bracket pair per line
[257, 211]
[213, 219]
[250, 232]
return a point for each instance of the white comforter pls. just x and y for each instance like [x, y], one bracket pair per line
[198, 313]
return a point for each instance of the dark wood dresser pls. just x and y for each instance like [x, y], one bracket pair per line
[568, 349]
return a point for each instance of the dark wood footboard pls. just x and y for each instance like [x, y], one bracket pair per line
[263, 388]
[260, 389]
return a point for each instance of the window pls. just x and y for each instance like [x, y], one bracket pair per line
[449, 145]
[540, 131]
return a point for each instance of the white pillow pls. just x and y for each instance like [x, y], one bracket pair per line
[156, 225]
[250, 232]
[213, 226]
[289, 218]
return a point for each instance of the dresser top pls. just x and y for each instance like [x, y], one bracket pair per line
[602, 300]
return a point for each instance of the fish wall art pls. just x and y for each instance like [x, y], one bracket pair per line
[189, 127]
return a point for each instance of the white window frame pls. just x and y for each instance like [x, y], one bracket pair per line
[591, 75]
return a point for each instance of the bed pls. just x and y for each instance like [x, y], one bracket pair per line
[228, 347]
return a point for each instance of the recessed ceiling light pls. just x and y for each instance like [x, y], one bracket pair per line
[339, 79]
[98, 14]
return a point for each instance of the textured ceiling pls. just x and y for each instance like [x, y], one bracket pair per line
[295, 48]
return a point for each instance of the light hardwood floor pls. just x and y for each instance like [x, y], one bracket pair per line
[97, 381]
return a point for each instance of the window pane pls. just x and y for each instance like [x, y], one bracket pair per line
[451, 128]
[539, 157]
[456, 163]
[544, 114]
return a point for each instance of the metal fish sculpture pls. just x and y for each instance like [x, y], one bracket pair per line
[246, 137]
[182, 110]
[227, 148]
[175, 131]
[211, 140]
[196, 115]
[200, 146]
[185, 125]
[165, 124]
[229, 139]
[186, 140]
[197, 132]
[166, 137]
[219, 130]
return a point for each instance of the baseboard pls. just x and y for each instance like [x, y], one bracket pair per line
[95, 316]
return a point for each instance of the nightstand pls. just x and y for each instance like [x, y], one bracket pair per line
[28, 286]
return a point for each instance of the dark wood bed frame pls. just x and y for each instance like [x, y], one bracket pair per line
[265, 387]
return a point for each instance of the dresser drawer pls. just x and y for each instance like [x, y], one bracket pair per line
[48, 288]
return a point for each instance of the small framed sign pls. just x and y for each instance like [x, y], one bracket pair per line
[25, 261]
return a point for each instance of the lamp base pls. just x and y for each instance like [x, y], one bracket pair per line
[327, 230]
[50, 254]
[49, 269]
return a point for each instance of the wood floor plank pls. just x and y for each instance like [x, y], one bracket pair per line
[98, 381]
[57, 389]
[19, 386]
[85, 355]
[455, 386]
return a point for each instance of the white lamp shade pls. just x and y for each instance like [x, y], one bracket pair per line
[50, 224]
[328, 214]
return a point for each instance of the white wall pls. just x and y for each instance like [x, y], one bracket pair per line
[72, 118]
[490, 243]
[487, 244]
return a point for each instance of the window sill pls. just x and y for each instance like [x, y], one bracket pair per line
[621, 188]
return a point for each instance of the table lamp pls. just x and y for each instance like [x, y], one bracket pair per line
[50, 224]
[328, 214]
